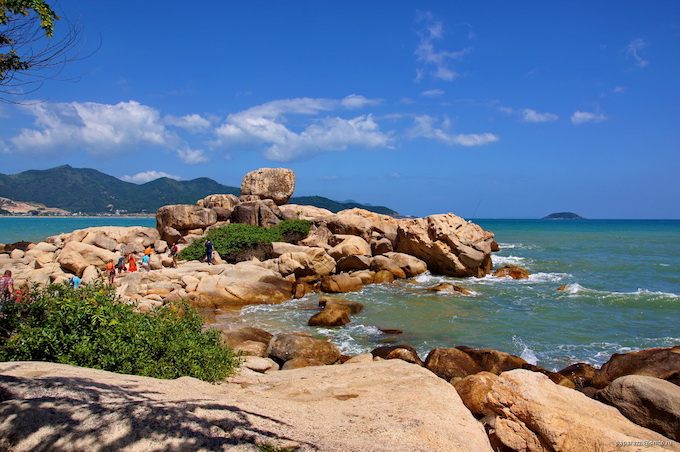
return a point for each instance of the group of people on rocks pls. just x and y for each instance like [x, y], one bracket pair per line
[129, 263]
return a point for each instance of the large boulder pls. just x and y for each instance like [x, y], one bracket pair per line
[382, 407]
[241, 285]
[313, 261]
[448, 244]
[295, 211]
[384, 225]
[340, 283]
[411, 265]
[218, 201]
[264, 213]
[349, 224]
[654, 362]
[276, 184]
[76, 257]
[349, 245]
[533, 414]
[647, 401]
[403, 352]
[285, 347]
[449, 363]
[183, 217]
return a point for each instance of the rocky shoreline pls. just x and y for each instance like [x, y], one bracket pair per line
[513, 404]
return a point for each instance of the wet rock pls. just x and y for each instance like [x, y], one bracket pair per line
[512, 271]
[285, 347]
[403, 352]
[448, 363]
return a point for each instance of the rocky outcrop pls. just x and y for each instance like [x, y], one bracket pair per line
[448, 244]
[655, 362]
[531, 413]
[647, 401]
[284, 347]
[329, 408]
[276, 184]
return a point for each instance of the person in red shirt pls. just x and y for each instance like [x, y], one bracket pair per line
[6, 287]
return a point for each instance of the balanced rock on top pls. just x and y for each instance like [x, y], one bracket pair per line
[276, 184]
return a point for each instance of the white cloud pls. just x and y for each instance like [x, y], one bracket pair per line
[193, 123]
[424, 127]
[437, 63]
[96, 128]
[192, 156]
[581, 117]
[266, 125]
[634, 50]
[147, 176]
[529, 115]
[432, 93]
[354, 101]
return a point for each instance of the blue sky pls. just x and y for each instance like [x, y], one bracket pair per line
[489, 109]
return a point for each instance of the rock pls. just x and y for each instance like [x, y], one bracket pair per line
[349, 245]
[364, 358]
[295, 211]
[655, 362]
[319, 236]
[235, 336]
[184, 217]
[298, 363]
[349, 224]
[314, 261]
[285, 347]
[276, 184]
[353, 262]
[366, 276]
[383, 276]
[259, 364]
[223, 201]
[251, 348]
[241, 285]
[448, 244]
[448, 363]
[351, 307]
[449, 287]
[170, 235]
[381, 246]
[330, 316]
[403, 352]
[581, 374]
[494, 361]
[532, 413]
[76, 257]
[384, 225]
[385, 263]
[411, 265]
[473, 390]
[647, 401]
[16, 254]
[512, 271]
[257, 213]
[340, 283]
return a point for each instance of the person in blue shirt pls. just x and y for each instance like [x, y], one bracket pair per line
[74, 281]
[209, 247]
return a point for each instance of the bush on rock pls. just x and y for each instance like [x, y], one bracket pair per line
[238, 242]
[90, 327]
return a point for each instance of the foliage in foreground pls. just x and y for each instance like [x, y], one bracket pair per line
[236, 242]
[89, 327]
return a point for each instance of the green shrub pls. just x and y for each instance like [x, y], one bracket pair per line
[90, 327]
[237, 242]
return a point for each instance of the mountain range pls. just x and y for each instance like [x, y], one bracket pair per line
[90, 191]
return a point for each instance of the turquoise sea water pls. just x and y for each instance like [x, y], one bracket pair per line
[622, 278]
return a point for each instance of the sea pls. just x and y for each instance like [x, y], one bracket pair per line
[620, 283]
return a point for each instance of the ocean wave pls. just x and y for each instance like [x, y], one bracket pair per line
[508, 260]
[526, 353]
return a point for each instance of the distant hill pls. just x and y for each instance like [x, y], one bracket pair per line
[90, 191]
[563, 216]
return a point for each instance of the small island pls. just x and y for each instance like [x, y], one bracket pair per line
[563, 216]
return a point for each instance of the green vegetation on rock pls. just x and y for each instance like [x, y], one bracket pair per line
[237, 242]
[90, 327]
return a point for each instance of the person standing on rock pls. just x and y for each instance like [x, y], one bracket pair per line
[173, 253]
[111, 272]
[145, 263]
[133, 263]
[209, 247]
[6, 288]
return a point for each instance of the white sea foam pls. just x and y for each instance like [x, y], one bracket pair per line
[527, 354]
[508, 260]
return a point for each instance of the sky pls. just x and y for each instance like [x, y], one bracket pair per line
[489, 109]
